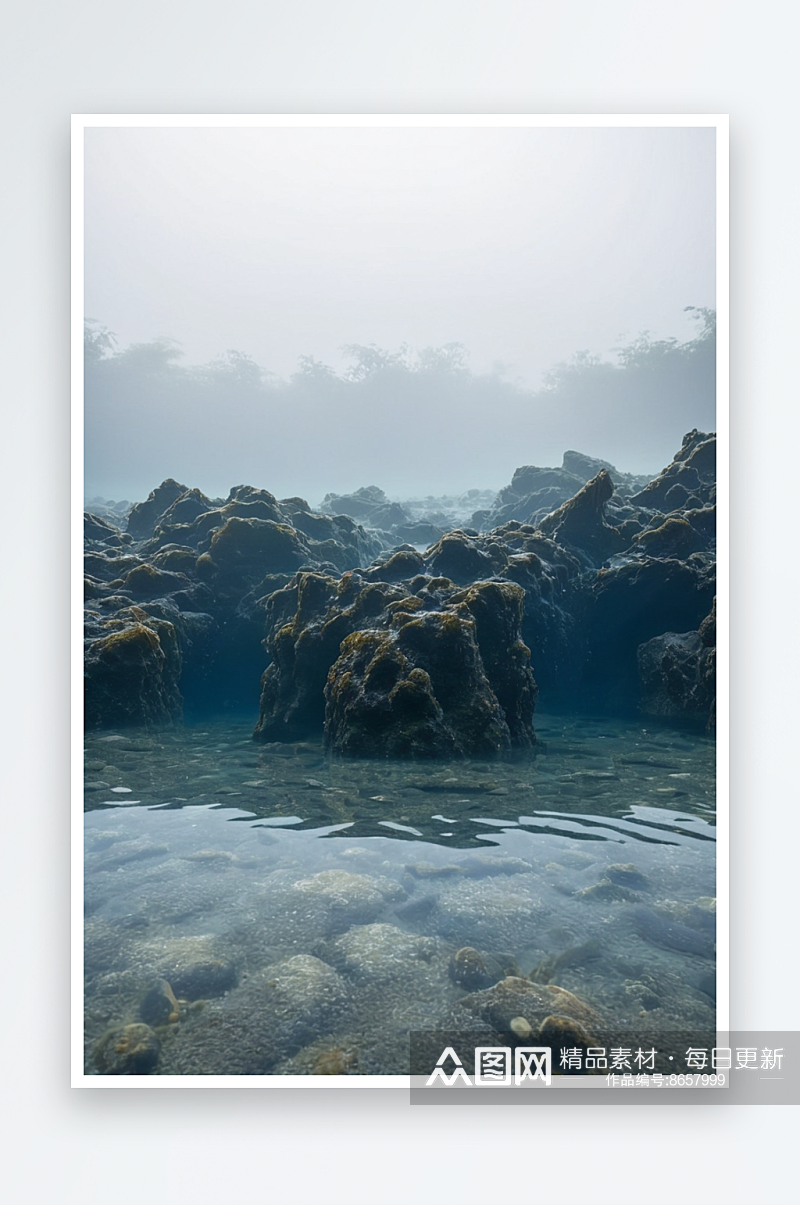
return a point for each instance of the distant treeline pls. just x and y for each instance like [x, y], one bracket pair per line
[149, 416]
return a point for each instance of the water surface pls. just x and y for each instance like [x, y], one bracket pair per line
[306, 909]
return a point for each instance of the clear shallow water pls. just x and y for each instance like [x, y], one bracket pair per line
[306, 910]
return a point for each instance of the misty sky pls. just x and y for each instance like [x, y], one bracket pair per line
[525, 245]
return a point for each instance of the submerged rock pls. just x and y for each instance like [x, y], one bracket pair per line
[271, 1016]
[514, 998]
[564, 1033]
[379, 952]
[350, 899]
[204, 978]
[127, 1050]
[468, 969]
[671, 934]
[675, 538]
[160, 1006]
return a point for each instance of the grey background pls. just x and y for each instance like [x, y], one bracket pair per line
[375, 56]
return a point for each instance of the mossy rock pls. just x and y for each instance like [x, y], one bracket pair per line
[247, 549]
[419, 692]
[127, 1050]
[402, 565]
[145, 515]
[675, 538]
[131, 676]
[146, 581]
[460, 558]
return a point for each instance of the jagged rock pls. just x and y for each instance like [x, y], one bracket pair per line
[100, 530]
[106, 508]
[419, 692]
[359, 505]
[708, 628]
[531, 488]
[220, 572]
[585, 467]
[145, 515]
[423, 689]
[306, 631]
[401, 565]
[388, 517]
[176, 558]
[423, 534]
[528, 479]
[184, 510]
[704, 522]
[534, 492]
[551, 577]
[109, 566]
[187, 555]
[693, 468]
[496, 608]
[147, 581]
[580, 523]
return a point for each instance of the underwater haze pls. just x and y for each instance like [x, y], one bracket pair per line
[307, 307]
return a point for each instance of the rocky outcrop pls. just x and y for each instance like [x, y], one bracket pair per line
[630, 603]
[535, 492]
[205, 568]
[132, 667]
[580, 523]
[408, 648]
[399, 669]
[677, 672]
[689, 481]
[144, 516]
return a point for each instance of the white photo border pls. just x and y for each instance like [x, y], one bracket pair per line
[83, 122]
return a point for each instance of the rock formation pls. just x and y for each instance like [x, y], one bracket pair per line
[593, 582]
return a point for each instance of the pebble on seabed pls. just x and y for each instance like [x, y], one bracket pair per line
[159, 1006]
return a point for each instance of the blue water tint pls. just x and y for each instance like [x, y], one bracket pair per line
[306, 911]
